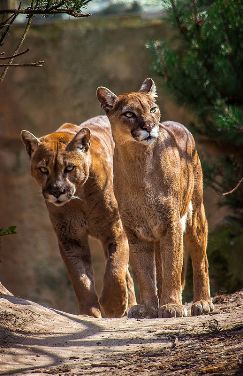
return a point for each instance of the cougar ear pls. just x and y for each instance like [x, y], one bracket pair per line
[31, 142]
[106, 98]
[81, 141]
[148, 86]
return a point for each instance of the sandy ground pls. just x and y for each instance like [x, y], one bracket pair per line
[35, 340]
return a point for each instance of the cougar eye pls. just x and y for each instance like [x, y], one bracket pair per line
[69, 168]
[153, 109]
[129, 114]
[43, 170]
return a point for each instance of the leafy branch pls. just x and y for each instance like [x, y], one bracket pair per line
[8, 231]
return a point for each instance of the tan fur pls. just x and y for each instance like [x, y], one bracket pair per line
[81, 202]
[159, 188]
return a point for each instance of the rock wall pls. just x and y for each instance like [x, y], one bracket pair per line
[79, 55]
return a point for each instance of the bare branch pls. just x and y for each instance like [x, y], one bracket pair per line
[5, 22]
[234, 189]
[8, 25]
[17, 49]
[34, 64]
[13, 56]
[35, 8]
[32, 12]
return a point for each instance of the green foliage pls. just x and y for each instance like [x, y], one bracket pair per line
[201, 65]
[8, 231]
[226, 258]
[231, 169]
[204, 70]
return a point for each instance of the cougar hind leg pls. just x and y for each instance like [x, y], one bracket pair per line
[196, 242]
[131, 291]
[158, 269]
[184, 267]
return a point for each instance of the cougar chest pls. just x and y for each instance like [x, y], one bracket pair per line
[141, 212]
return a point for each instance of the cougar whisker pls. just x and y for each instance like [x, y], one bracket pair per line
[75, 197]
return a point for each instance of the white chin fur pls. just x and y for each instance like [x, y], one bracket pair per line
[60, 201]
[148, 141]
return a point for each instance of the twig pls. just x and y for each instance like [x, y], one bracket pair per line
[34, 64]
[13, 56]
[4, 23]
[11, 19]
[59, 7]
[17, 49]
[55, 6]
[32, 12]
[234, 189]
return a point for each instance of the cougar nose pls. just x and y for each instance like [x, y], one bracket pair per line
[56, 192]
[148, 127]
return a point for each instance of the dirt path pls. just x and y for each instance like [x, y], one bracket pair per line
[35, 340]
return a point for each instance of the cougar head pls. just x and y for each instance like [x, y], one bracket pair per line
[59, 162]
[134, 116]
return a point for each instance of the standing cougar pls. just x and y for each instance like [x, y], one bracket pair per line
[158, 183]
[73, 167]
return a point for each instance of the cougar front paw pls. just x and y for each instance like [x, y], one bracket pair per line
[201, 307]
[140, 311]
[94, 312]
[113, 300]
[172, 310]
